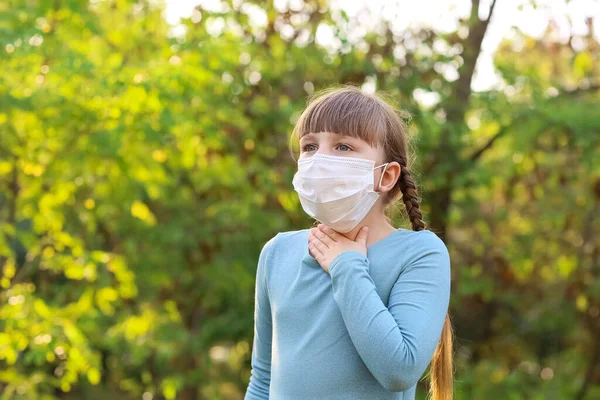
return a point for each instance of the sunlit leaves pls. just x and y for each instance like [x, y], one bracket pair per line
[140, 174]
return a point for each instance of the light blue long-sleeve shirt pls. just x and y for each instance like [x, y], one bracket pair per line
[366, 330]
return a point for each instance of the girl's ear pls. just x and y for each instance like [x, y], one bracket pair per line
[390, 176]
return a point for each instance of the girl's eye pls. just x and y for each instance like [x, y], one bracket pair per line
[312, 147]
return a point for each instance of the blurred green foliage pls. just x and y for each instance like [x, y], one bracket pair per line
[141, 172]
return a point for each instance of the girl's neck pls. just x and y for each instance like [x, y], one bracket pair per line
[378, 225]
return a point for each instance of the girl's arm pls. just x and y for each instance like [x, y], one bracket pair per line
[260, 379]
[396, 342]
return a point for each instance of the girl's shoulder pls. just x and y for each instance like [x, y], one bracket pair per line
[409, 245]
[292, 235]
[287, 240]
[427, 236]
[426, 244]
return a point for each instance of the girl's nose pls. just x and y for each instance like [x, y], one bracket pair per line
[324, 152]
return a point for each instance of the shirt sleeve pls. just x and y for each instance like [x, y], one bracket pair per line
[396, 342]
[260, 378]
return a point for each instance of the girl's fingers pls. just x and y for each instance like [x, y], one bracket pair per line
[329, 232]
[318, 241]
[316, 253]
[323, 237]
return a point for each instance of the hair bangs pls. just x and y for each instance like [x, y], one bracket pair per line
[347, 113]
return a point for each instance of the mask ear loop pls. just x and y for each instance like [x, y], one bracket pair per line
[382, 172]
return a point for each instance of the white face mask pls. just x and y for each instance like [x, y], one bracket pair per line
[337, 191]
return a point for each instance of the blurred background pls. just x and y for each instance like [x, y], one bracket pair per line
[144, 162]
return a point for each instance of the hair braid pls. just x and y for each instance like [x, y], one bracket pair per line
[411, 199]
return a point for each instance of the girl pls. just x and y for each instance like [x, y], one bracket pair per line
[353, 308]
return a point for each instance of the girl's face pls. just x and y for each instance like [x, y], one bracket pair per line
[335, 144]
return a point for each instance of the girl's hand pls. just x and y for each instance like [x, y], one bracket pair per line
[325, 244]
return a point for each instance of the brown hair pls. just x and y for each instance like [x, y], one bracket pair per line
[371, 117]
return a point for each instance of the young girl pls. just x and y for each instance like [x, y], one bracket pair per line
[353, 308]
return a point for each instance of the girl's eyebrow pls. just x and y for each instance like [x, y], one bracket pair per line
[307, 136]
[345, 136]
[311, 135]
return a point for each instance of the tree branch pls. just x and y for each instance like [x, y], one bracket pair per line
[472, 46]
[491, 11]
[478, 153]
